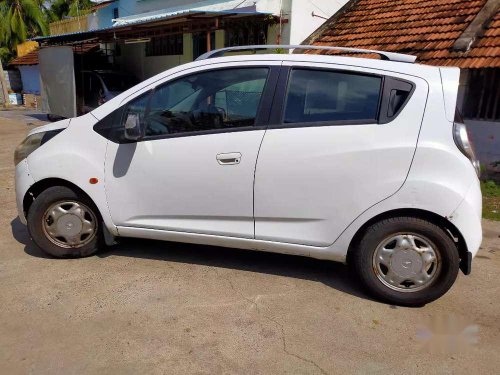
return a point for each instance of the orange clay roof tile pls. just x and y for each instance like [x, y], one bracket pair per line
[32, 57]
[426, 28]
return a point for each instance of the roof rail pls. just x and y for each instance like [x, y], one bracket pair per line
[384, 55]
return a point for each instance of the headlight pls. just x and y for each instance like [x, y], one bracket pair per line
[31, 143]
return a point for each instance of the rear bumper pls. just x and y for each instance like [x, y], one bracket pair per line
[23, 183]
[467, 219]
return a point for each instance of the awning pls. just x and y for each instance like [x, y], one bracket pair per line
[153, 26]
[169, 13]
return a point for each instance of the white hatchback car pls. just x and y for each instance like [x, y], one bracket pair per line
[340, 158]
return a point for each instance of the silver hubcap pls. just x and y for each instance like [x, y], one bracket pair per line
[406, 262]
[69, 224]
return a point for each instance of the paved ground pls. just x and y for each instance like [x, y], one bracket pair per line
[152, 307]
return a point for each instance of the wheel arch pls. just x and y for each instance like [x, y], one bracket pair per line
[432, 217]
[40, 186]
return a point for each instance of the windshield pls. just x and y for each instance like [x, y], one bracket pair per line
[118, 82]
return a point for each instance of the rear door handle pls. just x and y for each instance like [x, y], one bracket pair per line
[231, 158]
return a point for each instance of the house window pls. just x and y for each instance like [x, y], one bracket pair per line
[251, 34]
[165, 46]
[200, 43]
[482, 96]
[116, 14]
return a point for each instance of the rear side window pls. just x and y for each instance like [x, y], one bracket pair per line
[331, 96]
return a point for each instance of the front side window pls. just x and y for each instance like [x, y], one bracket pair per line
[215, 100]
[321, 95]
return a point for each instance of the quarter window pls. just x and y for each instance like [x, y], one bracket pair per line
[320, 95]
[221, 99]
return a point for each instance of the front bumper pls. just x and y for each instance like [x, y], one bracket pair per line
[24, 181]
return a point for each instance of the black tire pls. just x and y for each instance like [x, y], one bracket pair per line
[36, 218]
[362, 259]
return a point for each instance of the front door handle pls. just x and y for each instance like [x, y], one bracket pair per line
[231, 158]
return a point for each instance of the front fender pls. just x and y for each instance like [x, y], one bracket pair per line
[76, 155]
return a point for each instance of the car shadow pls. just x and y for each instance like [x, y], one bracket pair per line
[332, 274]
[21, 235]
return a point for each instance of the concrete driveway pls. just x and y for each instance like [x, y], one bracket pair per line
[153, 307]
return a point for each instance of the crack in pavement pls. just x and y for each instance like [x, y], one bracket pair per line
[273, 320]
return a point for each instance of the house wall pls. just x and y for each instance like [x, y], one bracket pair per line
[133, 57]
[485, 137]
[30, 77]
[303, 24]
[13, 80]
[105, 15]
[125, 8]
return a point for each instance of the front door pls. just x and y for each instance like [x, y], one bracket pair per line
[194, 169]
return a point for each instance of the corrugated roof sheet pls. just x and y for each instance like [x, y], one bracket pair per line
[82, 35]
[166, 14]
[425, 28]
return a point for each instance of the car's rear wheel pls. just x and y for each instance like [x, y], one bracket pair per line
[64, 223]
[406, 261]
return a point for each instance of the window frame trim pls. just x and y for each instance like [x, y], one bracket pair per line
[279, 103]
[263, 110]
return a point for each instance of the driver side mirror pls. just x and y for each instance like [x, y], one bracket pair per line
[133, 131]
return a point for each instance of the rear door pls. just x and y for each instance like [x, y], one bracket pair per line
[340, 140]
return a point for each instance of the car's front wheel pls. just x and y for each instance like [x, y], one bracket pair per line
[64, 223]
[406, 261]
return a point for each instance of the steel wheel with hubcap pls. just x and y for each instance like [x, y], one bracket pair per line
[64, 223]
[69, 224]
[406, 261]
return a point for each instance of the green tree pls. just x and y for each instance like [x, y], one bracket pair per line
[69, 8]
[5, 52]
[20, 19]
